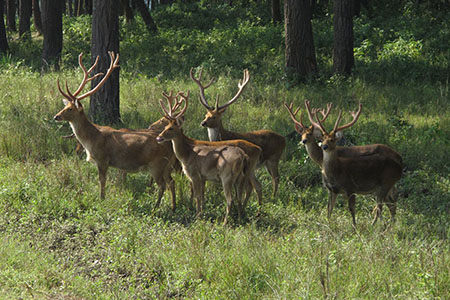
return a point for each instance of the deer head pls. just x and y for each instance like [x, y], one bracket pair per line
[72, 106]
[330, 138]
[214, 114]
[175, 121]
[308, 133]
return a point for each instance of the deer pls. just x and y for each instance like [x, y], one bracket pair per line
[225, 162]
[125, 149]
[271, 143]
[365, 174]
[311, 133]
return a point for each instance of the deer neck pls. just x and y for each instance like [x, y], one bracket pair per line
[330, 161]
[181, 147]
[86, 133]
[215, 134]
[314, 152]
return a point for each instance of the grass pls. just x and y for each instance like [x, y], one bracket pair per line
[60, 241]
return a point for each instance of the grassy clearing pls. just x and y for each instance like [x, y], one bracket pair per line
[60, 241]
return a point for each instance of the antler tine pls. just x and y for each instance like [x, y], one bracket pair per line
[113, 65]
[311, 119]
[325, 114]
[62, 92]
[166, 113]
[185, 98]
[86, 73]
[216, 104]
[319, 123]
[241, 86]
[169, 98]
[293, 114]
[355, 116]
[202, 87]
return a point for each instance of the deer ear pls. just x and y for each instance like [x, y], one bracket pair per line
[317, 133]
[65, 101]
[339, 135]
[180, 121]
[222, 110]
[78, 104]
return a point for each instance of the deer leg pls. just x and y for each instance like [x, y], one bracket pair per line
[351, 206]
[378, 210]
[272, 167]
[331, 202]
[198, 189]
[257, 186]
[392, 203]
[102, 170]
[162, 187]
[227, 188]
[172, 191]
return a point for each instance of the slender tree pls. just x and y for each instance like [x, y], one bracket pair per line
[127, 10]
[104, 105]
[3, 40]
[343, 59]
[37, 18]
[300, 51]
[143, 10]
[52, 29]
[11, 10]
[25, 12]
[276, 11]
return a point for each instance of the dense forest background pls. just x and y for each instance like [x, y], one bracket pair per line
[61, 241]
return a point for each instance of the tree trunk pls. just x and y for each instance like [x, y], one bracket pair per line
[25, 12]
[52, 29]
[343, 60]
[70, 7]
[276, 11]
[143, 10]
[3, 40]
[37, 16]
[88, 7]
[11, 9]
[126, 9]
[104, 105]
[300, 51]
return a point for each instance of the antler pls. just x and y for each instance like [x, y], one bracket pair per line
[241, 86]
[355, 116]
[74, 96]
[113, 65]
[314, 112]
[86, 73]
[292, 114]
[336, 128]
[172, 107]
[202, 87]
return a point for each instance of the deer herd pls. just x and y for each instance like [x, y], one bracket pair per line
[229, 158]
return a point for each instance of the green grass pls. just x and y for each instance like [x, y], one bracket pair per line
[60, 241]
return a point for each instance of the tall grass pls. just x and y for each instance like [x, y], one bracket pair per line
[59, 240]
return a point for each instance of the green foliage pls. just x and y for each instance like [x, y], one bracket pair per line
[59, 240]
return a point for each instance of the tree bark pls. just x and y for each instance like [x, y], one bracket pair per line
[3, 40]
[25, 12]
[37, 16]
[276, 11]
[143, 10]
[126, 9]
[343, 59]
[104, 105]
[52, 29]
[300, 51]
[11, 10]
